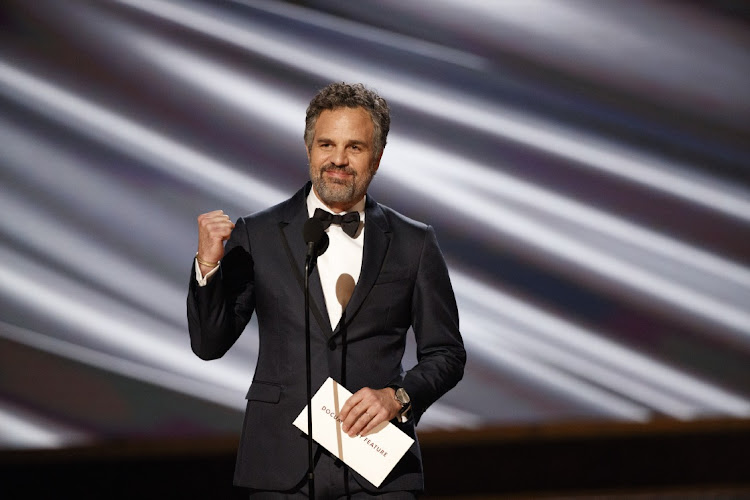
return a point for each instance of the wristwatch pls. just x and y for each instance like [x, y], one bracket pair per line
[403, 398]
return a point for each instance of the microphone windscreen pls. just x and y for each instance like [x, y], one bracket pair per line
[313, 231]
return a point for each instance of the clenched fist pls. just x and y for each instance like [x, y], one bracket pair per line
[214, 229]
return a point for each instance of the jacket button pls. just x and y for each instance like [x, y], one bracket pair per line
[332, 345]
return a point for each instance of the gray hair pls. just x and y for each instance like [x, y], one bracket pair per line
[344, 95]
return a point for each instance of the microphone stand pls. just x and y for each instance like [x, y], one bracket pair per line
[317, 242]
[310, 468]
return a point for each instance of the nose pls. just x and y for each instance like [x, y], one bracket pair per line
[339, 157]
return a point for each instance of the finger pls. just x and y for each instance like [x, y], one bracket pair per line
[351, 424]
[219, 229]
[350, 403]
[216, 229]
[207, 218]
[219, 216]
[374, 422]
[211, 221]
[213, 213]
[360, 423]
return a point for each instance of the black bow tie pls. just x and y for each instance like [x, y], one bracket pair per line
[349, 222]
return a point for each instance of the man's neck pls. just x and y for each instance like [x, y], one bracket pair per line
[338, 208]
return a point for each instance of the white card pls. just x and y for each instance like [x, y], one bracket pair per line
[372, 456]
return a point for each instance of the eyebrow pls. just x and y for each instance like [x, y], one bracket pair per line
[323, 140]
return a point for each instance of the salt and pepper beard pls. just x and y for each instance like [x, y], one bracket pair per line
[339, 191]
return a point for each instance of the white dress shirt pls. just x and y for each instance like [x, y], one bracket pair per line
[340, 265]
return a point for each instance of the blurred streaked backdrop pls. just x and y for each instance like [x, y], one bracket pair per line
[585, 165]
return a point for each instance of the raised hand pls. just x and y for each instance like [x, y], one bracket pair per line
[214, 229]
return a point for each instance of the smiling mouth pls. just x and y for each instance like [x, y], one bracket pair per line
[337, 173]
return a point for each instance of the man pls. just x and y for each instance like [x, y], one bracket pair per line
[377, 278]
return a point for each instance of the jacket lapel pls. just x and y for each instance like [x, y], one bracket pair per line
[290, 226]
[377, 240]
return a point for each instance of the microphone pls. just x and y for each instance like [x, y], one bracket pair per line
[315, 237]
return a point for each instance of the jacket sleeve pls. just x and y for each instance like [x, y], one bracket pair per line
[218, 312]
[440, 351]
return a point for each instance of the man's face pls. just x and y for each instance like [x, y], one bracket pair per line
[342, 160]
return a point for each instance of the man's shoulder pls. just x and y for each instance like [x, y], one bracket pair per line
[279, 212]
[398, 221]
[271, 212]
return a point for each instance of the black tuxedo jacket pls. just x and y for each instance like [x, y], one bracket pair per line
[403, 283]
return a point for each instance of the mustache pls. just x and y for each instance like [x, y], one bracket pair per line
[331, 167]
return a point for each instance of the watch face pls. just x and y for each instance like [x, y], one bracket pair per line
[402, 396]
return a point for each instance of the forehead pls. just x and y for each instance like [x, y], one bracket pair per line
[345, 123]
